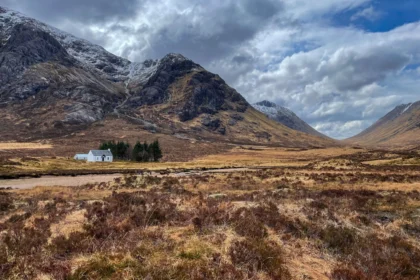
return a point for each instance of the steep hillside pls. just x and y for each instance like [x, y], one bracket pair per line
[54, 85]
[285, 116]
[400, 128]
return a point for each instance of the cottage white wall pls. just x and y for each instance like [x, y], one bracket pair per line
[108, 159]
[81, 157]
[91, 158]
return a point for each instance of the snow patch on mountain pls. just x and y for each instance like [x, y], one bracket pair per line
[285, 117]
[272, 109]
[407, 106]
[89, 55]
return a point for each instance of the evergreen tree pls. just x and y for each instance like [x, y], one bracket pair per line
[119, 150]
[156, 151]
[137, 154]
[122, 150]
[141, 152]
[146, 152]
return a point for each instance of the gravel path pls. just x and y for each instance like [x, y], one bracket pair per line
[70, 181]
[49, 181]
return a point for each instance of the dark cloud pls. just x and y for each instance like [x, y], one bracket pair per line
[86, 11]
[338, 78]
[211, 31]
[354, 70]
[241, 59]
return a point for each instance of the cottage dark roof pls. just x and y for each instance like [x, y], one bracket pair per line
[99, 153]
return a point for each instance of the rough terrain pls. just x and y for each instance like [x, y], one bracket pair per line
[55, 87]
[400, 128]
[349, 214]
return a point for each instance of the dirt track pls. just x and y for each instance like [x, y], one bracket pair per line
[49, 181]
[70, 181]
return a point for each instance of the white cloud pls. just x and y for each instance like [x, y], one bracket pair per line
[338, 78]
[357, 77]
[344, 129]
[368, 13]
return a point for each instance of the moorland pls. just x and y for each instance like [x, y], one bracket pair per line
[276, 213]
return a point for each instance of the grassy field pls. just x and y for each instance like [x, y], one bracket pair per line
[236, 157]
[23, 146]
[313, 214]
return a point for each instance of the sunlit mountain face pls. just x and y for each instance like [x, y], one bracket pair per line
[339, 65]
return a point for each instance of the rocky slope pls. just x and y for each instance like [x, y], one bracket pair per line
[400, 127]
[56, 85]
[285, 116]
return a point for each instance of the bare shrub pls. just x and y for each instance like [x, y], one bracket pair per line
[392, 258]
[6, 202]
[246, 224]
[339, 239]
[121, 212]
[21, 241]
[343, 272]
[61, 246]
[210, 213]
[256, 255]
[103, 267]
[269, 213]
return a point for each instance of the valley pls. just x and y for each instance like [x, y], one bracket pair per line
[250, 212]
[228, 190]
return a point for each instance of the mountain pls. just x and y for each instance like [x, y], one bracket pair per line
[398, 128]
[56, 86]
[285, 116]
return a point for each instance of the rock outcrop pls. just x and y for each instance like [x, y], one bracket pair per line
[285, 117]
[54, 84]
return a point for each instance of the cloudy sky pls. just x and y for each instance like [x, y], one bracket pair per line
[339, 64]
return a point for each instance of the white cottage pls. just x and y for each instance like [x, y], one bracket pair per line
[100, 156]
[81, 157]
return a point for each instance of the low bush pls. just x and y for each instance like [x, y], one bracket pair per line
[122, 212]
[246, 224]
[256, 255]
[6, 202]
[340, 240]
[103, 267]
[210, 213]
[77, 242]
[344, 272]
[374, 258]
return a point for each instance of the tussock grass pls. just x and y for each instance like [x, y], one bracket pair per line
[272, 223]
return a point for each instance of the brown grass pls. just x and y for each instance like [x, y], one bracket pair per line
[23, 146]
[294, 222]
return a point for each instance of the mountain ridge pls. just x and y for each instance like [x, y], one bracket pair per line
[286, 117]
[400, 127]
[66, 84]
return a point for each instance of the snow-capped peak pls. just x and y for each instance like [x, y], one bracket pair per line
[272, 109]
[407, 106]
[175, 57]
[88, 54]
[284, 116]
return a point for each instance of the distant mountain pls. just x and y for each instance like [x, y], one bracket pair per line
[285, 116]
[54, 85]
[400, 127]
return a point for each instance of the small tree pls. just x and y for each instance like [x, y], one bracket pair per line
[146, 152]
[156, 151]
[137, 154]
[141, 152]
[119, 150]
[122, 150]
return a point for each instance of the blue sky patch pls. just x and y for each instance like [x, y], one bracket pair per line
[380, 16]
